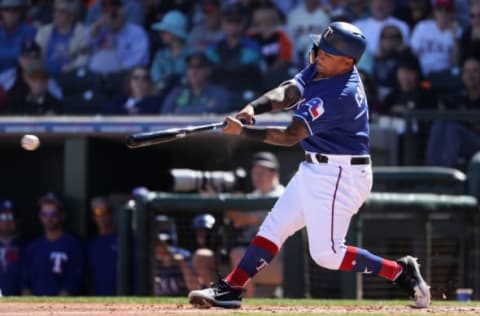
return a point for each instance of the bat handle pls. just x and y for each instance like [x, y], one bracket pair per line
[243, 121]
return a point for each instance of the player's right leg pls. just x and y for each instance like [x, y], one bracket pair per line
[285, 219]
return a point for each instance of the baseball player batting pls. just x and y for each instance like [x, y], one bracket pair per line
[331, 124]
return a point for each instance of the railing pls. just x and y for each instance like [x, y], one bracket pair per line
[409, 149]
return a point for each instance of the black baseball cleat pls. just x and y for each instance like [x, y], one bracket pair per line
[412, 282]
[221, 294]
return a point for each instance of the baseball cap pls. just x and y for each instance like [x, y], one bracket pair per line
[12, 3]
[233, 10]
[52, 198]
[211, 5]
[447, 4]
[266, 159]
[206, 221]
[70, 6]
[99, 206]
[173, 22]
[6, 210]
[30, 48]
[198, 58]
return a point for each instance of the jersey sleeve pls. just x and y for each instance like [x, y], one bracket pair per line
[301, 79]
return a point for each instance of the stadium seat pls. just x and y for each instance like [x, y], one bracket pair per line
[77, 81]
[84, 102]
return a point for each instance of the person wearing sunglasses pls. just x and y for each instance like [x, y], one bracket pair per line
[138, 97]
[54, 262]
[102, 249]
[10, 250]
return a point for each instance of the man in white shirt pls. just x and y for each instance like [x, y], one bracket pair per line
[381, 15]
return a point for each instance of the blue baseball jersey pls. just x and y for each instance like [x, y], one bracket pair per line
[52, 266]
[10, 267]
[335, 113]
[102, 262]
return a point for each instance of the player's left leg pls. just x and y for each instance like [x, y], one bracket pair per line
[285, 219]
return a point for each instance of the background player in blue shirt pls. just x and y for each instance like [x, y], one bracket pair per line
[10, 251]
[102, 250]
[331, 124]
[53, 263]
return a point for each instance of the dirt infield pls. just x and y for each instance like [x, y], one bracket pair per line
[143, 309]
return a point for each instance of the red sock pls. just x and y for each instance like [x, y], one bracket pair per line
[390, 270]
[257, 256]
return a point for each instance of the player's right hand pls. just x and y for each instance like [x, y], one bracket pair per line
[233, 127]
[246, 115]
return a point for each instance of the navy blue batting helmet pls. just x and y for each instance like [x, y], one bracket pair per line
[206, 221]
[341, 39]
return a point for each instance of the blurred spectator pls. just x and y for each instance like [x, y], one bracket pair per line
[236, 57]
[138, 97]
[209, 30]
[102, 250]
[199, 94]
[63, 41]
[14, 80]
[414, 11]
[391, 50]
[40, 12]
[275, 46]
[10, 250]
[38, 100]
[134, 10]
[13, 32]
[168, 65]
[117, 44]
[54, 263]
[449, 140]
[372, 26]
[307, 18]
[156, 9]
[371, 91]
[265, 179]
[470, 39]
[173, 275]
[203, 260]
[434, 40]
[411, 91]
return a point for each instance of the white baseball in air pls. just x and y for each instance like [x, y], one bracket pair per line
[30, 142]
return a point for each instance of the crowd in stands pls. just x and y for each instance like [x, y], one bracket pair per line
[130, 57]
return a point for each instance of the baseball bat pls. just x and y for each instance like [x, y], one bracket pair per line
[167, 135]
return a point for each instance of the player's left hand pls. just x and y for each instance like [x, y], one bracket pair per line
[233, 127]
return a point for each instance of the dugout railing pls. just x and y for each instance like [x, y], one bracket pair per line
[412, 216]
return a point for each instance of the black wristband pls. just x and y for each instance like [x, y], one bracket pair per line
[258, 133]
[261, 105]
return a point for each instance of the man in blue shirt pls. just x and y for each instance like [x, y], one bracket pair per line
[102, 250]
[53, 263]
[13, 32]
[331, 124]
[10, 250]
